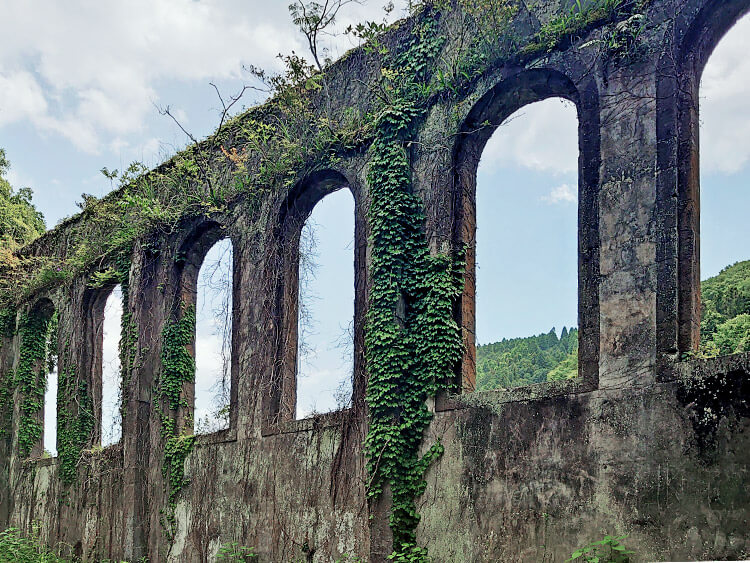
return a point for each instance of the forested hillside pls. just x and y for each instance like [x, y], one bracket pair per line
[725, 329]
[523, 361]
[725, 319]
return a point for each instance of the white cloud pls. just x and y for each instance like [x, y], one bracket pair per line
[724, 107]
[21, 97]
[562, 194]
[542, 136]
[89, 71]
[92, 71]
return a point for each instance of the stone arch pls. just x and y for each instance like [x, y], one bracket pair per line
[202, 235]
[91, 357]
[697, 31]
[487, 114]
[280, 401]
[36, 320]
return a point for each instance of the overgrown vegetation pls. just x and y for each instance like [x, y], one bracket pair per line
[75, 421]
[178, 369]
[233, 551]
[38, 343]
[725, 311]
[20, 221]
[410, 356]
[607, 550]
[16, 548]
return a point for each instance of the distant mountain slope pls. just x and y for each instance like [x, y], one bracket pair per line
[523, 361]
[725, 315]
[725, 329]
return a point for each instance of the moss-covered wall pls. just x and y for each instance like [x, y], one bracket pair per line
[645, 443]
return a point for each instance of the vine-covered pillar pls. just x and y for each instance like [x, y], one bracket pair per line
[627, 225]
[7, 342]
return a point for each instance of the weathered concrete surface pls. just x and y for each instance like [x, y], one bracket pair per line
[644, 444]
[535, 480]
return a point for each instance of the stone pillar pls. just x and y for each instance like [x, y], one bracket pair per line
[627, 227]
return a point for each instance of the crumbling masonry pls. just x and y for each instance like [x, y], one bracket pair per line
[647, 442]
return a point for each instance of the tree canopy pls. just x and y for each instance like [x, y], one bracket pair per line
[725, 311]
[20, 221]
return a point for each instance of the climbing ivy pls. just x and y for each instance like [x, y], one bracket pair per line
[410, 356]
[178, 368]
[75, 420]
[128, 332]
[31, 374]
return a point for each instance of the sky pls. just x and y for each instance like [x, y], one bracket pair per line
[81, 84]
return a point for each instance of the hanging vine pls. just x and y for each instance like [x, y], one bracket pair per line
[75, 421]
[35, 332]
[413, 342]
[178, 368]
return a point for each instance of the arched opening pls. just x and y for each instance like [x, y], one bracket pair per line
[724, 198]
[100, 355]
[326, 307]
[319, 278]
[50, 394]
[111, 374]
[527, 214]
[205, 269]
[679, 296]
[36, 374]
[526, 249]
[213, 339]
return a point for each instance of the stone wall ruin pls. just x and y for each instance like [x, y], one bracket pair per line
[647, 441]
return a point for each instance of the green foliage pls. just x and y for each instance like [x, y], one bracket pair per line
[176, 451]
[583, 16]
[235, 552]
[517, 362]
[31, 375]
[178, 364]
[725, 311]
[412, 340]
[178, 368]
[15, 548]
[75, 422]
[128, 330]
[20, 222]
[733, 335]
[607, 550]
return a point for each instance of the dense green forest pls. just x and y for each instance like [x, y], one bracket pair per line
[725, 329]
[20, 222]
[725, 316]
[522, 361]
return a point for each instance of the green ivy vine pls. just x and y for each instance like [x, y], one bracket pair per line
[128, 329]
[178, 368]
[36, 331]
[410, 355]
[75, 422]
[7, 385]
